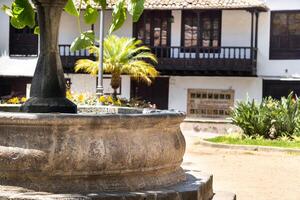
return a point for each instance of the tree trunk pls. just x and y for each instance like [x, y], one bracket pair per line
[115, 84]
[48, 89]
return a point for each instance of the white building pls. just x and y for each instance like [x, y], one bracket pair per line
[211, 53]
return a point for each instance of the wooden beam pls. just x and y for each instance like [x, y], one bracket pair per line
[251, 42]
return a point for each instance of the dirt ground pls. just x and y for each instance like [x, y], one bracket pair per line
[250, 175]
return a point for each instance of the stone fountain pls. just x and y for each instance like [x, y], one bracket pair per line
[50, 153]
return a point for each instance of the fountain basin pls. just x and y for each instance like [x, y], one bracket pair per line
[91, 153]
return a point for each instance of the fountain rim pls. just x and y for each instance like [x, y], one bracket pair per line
[81, 118]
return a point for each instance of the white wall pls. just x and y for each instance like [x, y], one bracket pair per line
[176, 28]
[243, 87]
[275, 68]
[4, 33]
[124, 31]
[18, 66]
[69, 28]
[236, 28]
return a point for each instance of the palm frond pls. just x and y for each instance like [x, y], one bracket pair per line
[122, 56]
[87, 65]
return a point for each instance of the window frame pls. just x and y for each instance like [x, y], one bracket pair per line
[284, 54]
[215, 14]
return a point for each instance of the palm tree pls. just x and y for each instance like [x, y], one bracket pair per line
[121, 56]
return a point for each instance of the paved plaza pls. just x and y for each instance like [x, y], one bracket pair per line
[251, 175]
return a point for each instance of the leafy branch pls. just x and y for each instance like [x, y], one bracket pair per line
[22, 14]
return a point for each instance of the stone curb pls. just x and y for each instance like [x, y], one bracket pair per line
[198, 186]
[220, 195]
[248, 147]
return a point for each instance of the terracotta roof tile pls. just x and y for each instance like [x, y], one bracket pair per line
[201, 4]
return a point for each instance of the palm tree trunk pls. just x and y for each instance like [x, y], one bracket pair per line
[115, 84]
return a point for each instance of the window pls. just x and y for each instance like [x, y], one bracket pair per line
[278, 89]
[22, 42]
[285, 35]
[153, 28]
[204, 103]
[201, 29]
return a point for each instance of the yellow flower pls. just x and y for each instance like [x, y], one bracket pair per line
[23, 99]
[102, 99]
[81, 98]
[14, 100]
[117, 102]
[110, 99]
[69, 95]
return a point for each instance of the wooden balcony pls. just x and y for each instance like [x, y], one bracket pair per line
[207, 61]
[222, 61]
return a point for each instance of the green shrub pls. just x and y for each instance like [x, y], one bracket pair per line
[251, 117]
[269, 119]
[285, 117]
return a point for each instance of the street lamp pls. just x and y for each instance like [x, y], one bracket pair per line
[99, 88]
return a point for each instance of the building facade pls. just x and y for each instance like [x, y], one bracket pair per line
[211, 53]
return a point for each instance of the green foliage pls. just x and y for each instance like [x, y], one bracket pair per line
[251, 117]
[118, 16]
[7, 10]
[22, 15]
[286, 116]
[269, 119]
[90, 15]
[280, 142]
[85, 40]
[71, 9]
[135, 8]
[37, 30]
[102, 3]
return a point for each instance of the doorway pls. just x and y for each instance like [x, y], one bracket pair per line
[157, 93]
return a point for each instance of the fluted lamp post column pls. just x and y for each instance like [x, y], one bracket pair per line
[99, 88]
[48, 88]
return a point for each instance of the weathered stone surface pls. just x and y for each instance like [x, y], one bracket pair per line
[87, 153]
[187, 190]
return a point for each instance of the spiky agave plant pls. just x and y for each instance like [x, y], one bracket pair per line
[121, 56]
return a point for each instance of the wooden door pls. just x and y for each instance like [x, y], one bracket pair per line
[157, 93]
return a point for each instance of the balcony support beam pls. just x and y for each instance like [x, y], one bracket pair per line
[256, 29]
[252, 35]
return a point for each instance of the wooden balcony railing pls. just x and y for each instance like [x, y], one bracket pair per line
[69, 58]
[187, 61]
[206, 60]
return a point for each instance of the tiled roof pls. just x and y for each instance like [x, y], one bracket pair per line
[201, 4]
